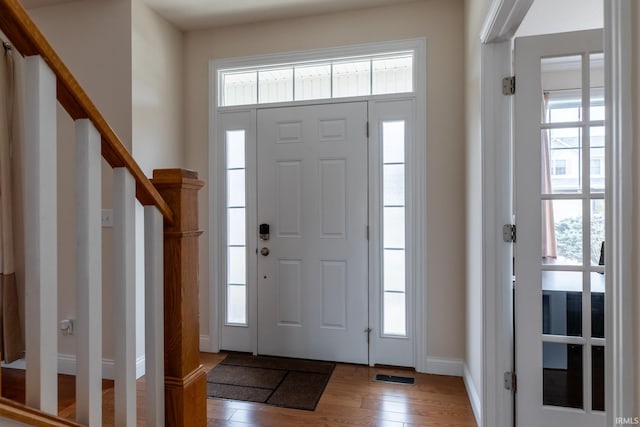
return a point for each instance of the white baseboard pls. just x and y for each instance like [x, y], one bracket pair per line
[474, 397]
[140, 366]
[444, 366]
[67, 365]
[18, 364]
[205, 343]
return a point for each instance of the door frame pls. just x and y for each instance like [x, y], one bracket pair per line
[501, 22]
[215, 221]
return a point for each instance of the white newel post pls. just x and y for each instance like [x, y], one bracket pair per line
[154, 315]
[41, 236]
[88, 274]
[124, 199]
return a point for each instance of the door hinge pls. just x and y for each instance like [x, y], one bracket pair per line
[509, 233]
[367, 231]
[366, 129]
[511, 381]
[509, 85]
[368, 332]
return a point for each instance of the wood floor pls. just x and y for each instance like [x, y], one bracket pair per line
[352, 398]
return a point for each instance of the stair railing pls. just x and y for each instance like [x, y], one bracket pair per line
[175, 392]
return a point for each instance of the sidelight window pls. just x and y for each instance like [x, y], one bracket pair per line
[236, 226]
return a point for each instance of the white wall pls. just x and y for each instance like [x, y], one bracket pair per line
[475, 13]
[441, 22]
[157, 114]
[553, 16]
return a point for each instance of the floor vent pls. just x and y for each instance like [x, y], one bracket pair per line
[395, 379]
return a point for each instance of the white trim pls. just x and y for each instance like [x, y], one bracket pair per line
[420, 90]
[444, 366]
[67, 366]
[619, 365]
[474, 398]
[503, 19]
[205, 343]
[16, 364]
[497, 210]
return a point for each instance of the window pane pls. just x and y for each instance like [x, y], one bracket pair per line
[392, 75]
[562, 375]
[393, 185]
[596, 111]
[394, 270]
[597, 159]
[237, 304]
[597, 373]
[351, 79]
[235, 188]
[596, 70]
[236, 226]
[275, 85]
[558, 74]
[563, 161]
[313, 82]
[235, 149]
[239, 88]
[597, 305]
[236, 265]
[393, 142]
[395, 322]
[597, 232]
[562, 303]
[393, 228]
[562, 232]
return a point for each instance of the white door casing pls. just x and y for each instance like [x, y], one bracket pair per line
[529, 266]
[312, 191]
[243, 337]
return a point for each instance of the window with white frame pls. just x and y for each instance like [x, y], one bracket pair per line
[332, 78]
[393, 229]
[236, 312]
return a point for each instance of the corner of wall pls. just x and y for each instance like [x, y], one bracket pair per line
[474, 395]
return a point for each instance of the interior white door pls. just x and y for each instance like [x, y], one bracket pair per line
[312, 271]
[559, 203]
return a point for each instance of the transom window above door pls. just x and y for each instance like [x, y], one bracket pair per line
[378, 74]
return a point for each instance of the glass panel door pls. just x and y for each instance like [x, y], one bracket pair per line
[560, 191]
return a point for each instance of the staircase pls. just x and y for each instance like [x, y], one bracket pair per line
[175, 380]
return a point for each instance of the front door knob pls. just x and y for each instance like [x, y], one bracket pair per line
[264, 251]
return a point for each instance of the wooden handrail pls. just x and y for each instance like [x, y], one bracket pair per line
[25, 36]
[17, 412]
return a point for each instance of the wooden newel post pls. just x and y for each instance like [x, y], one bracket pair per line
[185, 378]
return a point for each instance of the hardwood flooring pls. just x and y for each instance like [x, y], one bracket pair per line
[352, 398]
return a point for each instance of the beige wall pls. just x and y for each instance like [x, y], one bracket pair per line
[476, 11]
[94, 40]
[441, 22]
[157, 90]
[157, 81]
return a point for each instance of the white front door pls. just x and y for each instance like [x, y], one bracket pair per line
[312, 284]
[559, 204]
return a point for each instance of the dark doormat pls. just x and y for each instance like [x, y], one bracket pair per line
[277, 381]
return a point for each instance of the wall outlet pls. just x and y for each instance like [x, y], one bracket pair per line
[66, 326]
[107, 218]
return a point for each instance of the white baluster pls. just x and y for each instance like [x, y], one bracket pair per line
[88, 274]
[41, 236]
[154, 317]
[124, 297]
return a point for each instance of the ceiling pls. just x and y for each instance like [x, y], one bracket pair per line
[200, 14]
